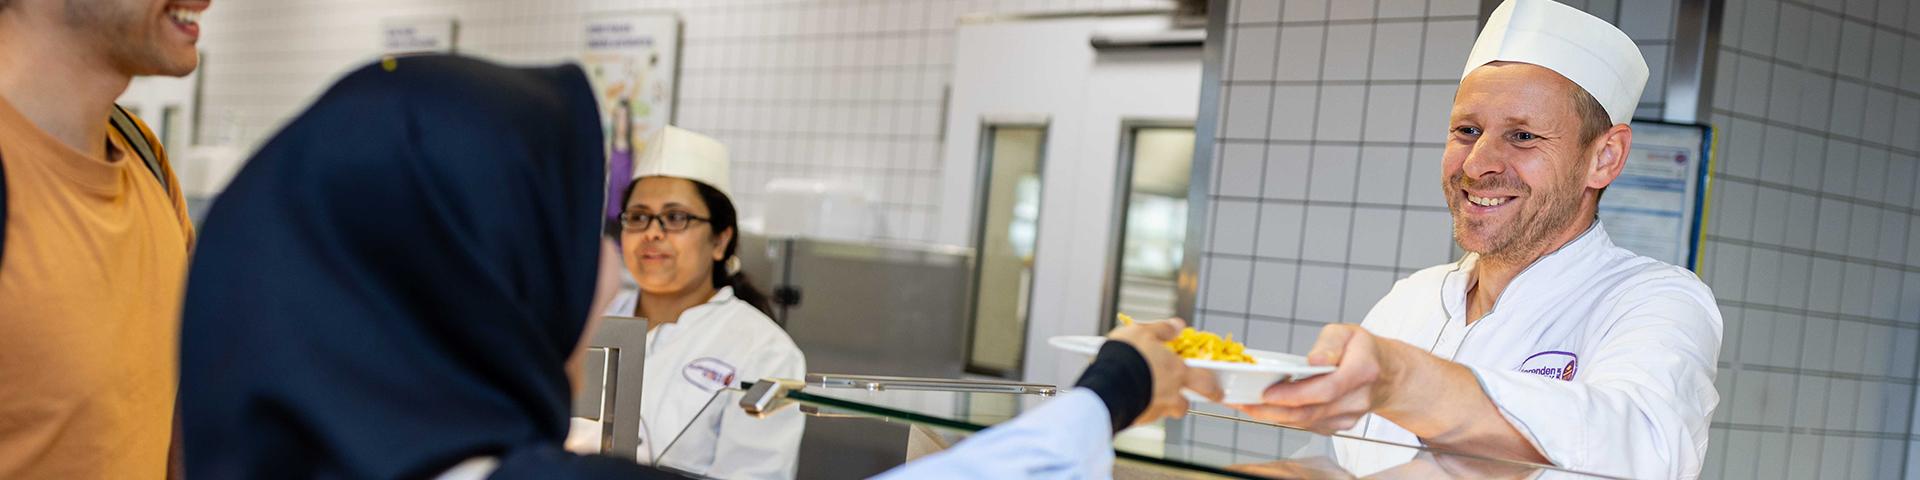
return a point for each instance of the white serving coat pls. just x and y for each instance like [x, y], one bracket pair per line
[722, 342]
[1602, 358]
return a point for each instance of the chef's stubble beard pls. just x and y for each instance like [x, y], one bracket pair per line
[1526, 239]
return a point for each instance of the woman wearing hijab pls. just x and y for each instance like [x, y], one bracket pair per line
[710, 329]
[393, 286]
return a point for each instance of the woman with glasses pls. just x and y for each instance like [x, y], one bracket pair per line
[710, 328]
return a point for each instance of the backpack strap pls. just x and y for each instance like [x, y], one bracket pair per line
[3, 210]
[123, 123]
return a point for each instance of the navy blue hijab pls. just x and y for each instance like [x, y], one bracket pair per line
[394, 283]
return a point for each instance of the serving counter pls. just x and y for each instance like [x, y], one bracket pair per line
[859, 426]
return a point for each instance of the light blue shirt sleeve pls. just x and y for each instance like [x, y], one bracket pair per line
[1066, 438]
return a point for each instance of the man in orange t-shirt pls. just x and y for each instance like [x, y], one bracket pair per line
[94, 259]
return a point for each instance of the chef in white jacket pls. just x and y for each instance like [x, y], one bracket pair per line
[710, 330]
[1546, 342]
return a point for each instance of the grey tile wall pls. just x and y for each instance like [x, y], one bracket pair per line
[841, 89]
[1813, 238]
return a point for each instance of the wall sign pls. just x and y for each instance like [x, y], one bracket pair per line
[1657, 205]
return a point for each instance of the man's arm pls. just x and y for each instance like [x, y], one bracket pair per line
[1439, 401]
[1639, 407]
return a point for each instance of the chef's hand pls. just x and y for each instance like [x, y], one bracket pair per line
[1170, 372]
[1365, 369]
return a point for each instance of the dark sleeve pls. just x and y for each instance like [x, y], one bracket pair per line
[1122, 379]
[553, 463]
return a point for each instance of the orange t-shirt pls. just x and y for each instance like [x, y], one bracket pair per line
[90, 288]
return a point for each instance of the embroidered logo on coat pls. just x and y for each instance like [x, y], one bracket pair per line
[709, 373]
[1552, 364]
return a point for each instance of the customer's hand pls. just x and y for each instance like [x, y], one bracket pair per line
[1170, 372]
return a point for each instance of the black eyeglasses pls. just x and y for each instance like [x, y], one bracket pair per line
[670, 221]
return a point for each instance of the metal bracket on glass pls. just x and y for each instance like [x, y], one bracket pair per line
[879, 383]
[768, 395]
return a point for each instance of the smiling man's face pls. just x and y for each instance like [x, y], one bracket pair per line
[140, 37]
[1516, 166]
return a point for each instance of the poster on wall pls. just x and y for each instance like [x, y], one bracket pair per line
[410, 35]
[633, 61]
[1655, 207]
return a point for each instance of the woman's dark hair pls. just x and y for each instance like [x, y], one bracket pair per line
[722, 217]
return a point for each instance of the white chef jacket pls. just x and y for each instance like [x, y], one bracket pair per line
[1603, 359]
[720, 343]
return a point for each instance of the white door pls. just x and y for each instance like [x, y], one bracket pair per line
[1078, 89]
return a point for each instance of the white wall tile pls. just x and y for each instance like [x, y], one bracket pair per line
[1770, 228]
[1294, 112]
[1792, 289]
[1339, 116]
[1349, 49]
[1757, 331]
[1227, 287]
[1256, 11]
[1802, 219]
[1234, 226]
[1886, 294]
[1763, 274]
[1326, 231]
[1809, 409]
[1253, 53]
[1427, 240]
[1823, 41]
[1791, 36]
[1287, 172]
[1396, 50]
[1305, 10]
[1856, 47]
[1320, 283]
[1447, 45]
[1823, 294]
[1241, 166]
[1727, 272]
[1816, 343]
[1849, 105]
[1864, 239]
[1856, 289]
[1383, 176]
[1246, 111]
[1878, 123]
[1300, 49]
[1832, 235]
[1884, 64]
[1333, 174]
[1389, 113]
[1733, 207]
[1273, 291]
[1376, 237]
[1280, 230]
[1842, 162]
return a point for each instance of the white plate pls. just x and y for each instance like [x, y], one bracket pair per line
[1242, 383]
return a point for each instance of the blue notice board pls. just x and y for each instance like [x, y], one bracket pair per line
[1658, 204]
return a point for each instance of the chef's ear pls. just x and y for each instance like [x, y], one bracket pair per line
[1609, 156]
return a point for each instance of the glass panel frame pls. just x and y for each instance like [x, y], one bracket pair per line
[1125, 186]
[984, 236]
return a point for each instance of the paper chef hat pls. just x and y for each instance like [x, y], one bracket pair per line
[679, 153]
[1591, 52]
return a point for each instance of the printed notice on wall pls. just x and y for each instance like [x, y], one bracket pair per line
[418, 35]
[1653, 207]
[633, 61]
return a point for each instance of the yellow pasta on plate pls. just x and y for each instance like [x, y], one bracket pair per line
[1200, 345]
